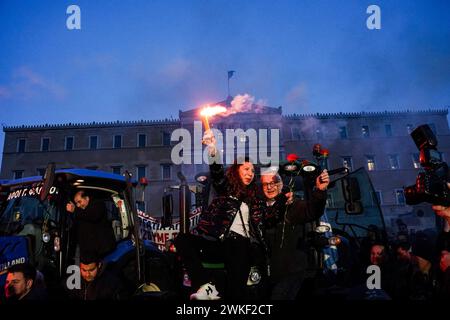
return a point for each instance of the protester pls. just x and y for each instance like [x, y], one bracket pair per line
[21, 284]
[231, 227]
[94, 233]
[287, 262]
[443, 247]
[96, 282]
[412, 274]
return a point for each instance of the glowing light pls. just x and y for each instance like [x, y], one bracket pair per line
[210, 111]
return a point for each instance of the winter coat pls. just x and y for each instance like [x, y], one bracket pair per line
[94, 231]
[218, 217]
[283, 239]
[105, 286]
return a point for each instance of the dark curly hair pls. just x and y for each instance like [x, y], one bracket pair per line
[235, 186]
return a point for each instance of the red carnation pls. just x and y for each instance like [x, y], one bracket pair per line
[292, 157]
[143, 181]
[324, 152]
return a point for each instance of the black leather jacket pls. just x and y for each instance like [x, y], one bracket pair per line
[216, 220]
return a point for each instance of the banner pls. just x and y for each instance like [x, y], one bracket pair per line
[151, 228]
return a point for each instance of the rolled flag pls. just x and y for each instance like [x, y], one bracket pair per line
[330, 253]
[230, 73]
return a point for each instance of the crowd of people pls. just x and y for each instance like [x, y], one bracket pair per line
[246, 230]
[252, 225]
[405, 274]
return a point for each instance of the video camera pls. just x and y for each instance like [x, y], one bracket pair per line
[431, 185]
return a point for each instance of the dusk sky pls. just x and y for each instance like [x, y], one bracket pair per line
[147, 59]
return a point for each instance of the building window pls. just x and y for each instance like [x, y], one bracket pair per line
[393, 161]
[281, 134]
[21, 143]
[40, 171]
[116, 169]
[243, 138]
[117, 141]
[319, 134]
[388, 130]
[400, 197]
[416, 162]
[409, 128]
[141, 171]
[296, 134]
[166, 139]
[282, 155]
[69, 143]
[370, 163]
[376, 197]
[365, 131]
[142, 140]
[166, 171]
[343, 132]
[17, 174]
[45, 144]
[348, 163]
[93, 142]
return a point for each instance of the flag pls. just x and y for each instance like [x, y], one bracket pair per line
[230, 74]
[330, 253]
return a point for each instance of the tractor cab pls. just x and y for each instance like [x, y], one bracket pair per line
[35, 226]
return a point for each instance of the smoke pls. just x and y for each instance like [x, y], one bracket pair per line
[245, 103]
[297, 96]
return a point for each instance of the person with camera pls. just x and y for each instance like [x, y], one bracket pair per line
[432, 186]
[443, 246]
[284, 216]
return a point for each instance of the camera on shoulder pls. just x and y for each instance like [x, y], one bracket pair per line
[431, 184]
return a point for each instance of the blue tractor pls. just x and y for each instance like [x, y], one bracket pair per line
[35, 227]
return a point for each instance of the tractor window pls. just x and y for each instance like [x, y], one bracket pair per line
[22, 210]
[119, 216]
[114, 218]
[28, 216]
[339, 211]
